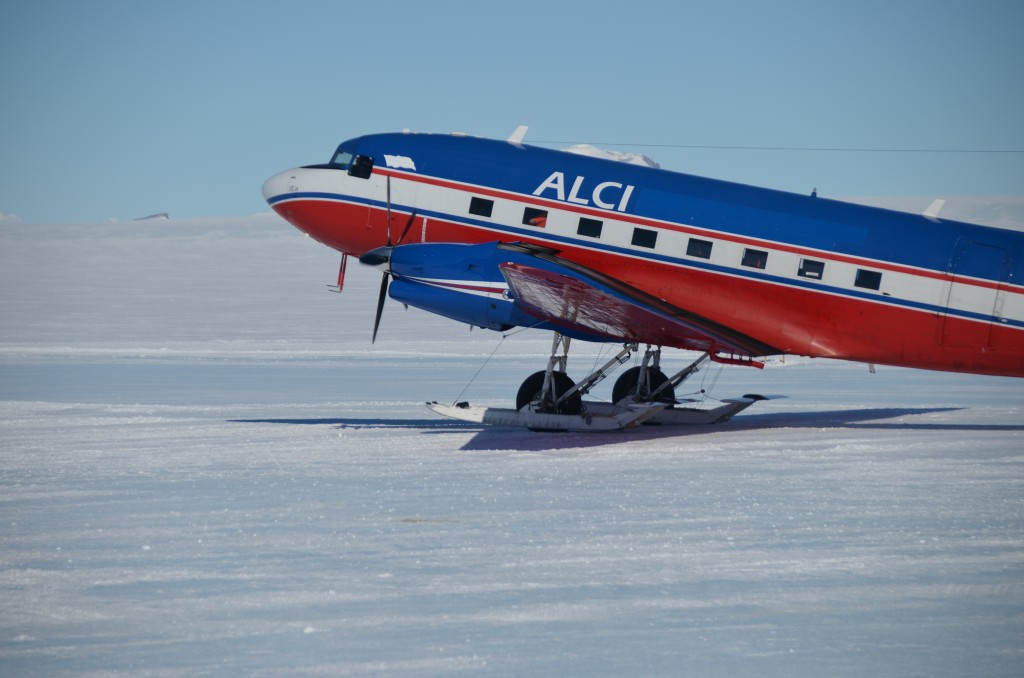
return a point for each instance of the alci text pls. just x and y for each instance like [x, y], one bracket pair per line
[608, 195]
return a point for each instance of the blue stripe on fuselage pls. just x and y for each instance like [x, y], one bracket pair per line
[740, 272]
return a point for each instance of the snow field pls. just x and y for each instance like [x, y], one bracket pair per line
[207, 470]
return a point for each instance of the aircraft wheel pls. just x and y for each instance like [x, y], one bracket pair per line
[629, 382]
[534, 384]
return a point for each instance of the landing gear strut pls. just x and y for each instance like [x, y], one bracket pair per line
[646, 383]
[552, 391]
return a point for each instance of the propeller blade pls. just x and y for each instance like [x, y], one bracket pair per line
[389, 209]
[380, 305]
[408, 225]
[381, 258]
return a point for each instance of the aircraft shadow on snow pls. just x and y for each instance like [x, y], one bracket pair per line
[494, 438]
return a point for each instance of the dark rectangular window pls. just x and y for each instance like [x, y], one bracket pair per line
[643, 237]
[535, 217]
[755, 258]
[871, 280]
[362, 167]
[482, 207]
[699, 248]
[809, 268]
[590, 227]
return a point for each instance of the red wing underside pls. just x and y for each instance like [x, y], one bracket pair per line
[574, 303]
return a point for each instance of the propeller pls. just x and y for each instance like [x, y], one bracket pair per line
[380, 304]
[381, 258]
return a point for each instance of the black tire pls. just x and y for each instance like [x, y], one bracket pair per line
[626, 385]
[534, 384]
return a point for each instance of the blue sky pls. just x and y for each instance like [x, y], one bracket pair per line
[122, 109]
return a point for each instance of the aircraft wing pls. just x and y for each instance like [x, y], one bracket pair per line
[574, 297]
[468, 283]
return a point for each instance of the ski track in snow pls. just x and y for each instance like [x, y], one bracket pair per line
[208, 470]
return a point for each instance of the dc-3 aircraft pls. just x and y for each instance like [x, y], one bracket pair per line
[500, 234]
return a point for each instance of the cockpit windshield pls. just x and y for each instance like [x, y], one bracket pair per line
[342, 159]
[359, 166]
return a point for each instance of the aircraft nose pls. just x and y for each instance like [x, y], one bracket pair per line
[278, 185]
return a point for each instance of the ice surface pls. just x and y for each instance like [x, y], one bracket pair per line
[208, 470]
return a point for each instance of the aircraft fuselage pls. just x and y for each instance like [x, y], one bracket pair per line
[795, 274]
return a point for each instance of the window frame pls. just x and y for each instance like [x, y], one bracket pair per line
[589, 228]
[361, 167]
[347, 163]
[811, 266]
[754, 258]
[530, 214]
[868, 279]
[481, 207]
[641, 235]
[695, 247]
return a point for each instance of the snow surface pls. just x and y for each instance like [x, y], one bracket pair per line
[207, 469]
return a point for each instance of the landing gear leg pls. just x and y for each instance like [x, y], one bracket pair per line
[551, 390]
[647, 383]
[644, 383]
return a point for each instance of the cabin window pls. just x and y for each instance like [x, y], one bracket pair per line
[754, 258]
[643, 237]
[871, 280]
[699, 248]
[535, 217]
[809, 268]
[482, 207]
[590, 227]
[361, 167]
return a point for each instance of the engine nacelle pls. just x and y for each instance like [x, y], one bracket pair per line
[461, 282]
[490, 311]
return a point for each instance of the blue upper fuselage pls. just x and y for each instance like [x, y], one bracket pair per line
[737, 209]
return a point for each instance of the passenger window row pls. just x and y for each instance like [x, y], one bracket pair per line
[695, 247]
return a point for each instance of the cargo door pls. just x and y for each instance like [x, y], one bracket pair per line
[975, 296]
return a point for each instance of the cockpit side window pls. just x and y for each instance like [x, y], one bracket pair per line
[361, 167]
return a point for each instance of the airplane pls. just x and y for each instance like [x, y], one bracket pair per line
[501, 234]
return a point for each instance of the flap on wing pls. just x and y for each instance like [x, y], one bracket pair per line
[584, 301]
